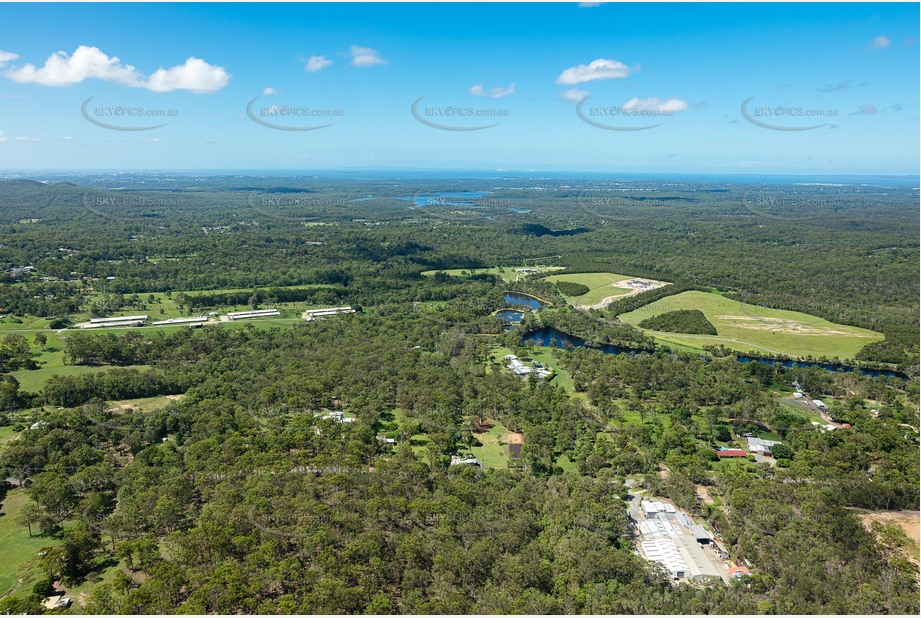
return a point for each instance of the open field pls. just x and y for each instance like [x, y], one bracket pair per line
[506, 272]
[6, 434]
[144, 404]
[603, 287]
[51, 359]
[19, 551]
[494, 452]
[544, 356]
[749, 328]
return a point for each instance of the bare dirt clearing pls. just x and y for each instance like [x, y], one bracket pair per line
[781, 325]
[652, 285]
[909, 521]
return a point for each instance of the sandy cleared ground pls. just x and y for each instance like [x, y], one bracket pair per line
[633, 292]
[516, 438]
[783, 326]
[909, 521]
[704, 494]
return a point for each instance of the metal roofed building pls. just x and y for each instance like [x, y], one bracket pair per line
[698, 562]
[258, 313]
[316, 313]
[665, 552]
[732, 452]
[123, 318]
[111, 324]
[201, 319]
[700, 534]
[761, 446]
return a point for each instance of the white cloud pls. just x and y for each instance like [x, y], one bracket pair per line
[61, 69]
[601, 68]
[880, 42]
[195, 75]
[268, 90]
[152, 140]
[365, 56]
[574, 94]
[18, 138]
[492, 93]
[317, 63]
[655, 104]
[6, 56]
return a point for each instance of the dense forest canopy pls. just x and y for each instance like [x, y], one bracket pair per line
[303, 466]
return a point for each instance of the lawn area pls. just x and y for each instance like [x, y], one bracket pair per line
[494, 452]
[506, 272]
[750, 328]
[23, 325]
[802, 410]
[19, 551]
[569, 467]
[544, 356]
[601, 286]
[7, 434]
[144, 404]
[32, 380]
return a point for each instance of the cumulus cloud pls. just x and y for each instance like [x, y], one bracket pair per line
[62, 69]
[6, 56]
[268, 90]
[195, 75]
[492, 93]
[601, 68]
[574, 94]
[365, 56]
[655, 104]
[317, 63]
[880, 42]
[3, 138]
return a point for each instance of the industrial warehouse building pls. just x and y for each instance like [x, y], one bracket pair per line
[123, 318]
[256, 313]
[319, 313]
[675, 541]
[201, 319]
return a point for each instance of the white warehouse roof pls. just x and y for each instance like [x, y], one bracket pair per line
[665, 552]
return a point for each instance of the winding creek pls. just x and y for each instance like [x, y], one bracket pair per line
[549, 336]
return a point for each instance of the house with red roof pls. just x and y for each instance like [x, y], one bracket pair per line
[732, 452]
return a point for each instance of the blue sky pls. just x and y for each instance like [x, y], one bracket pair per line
[851, 70]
